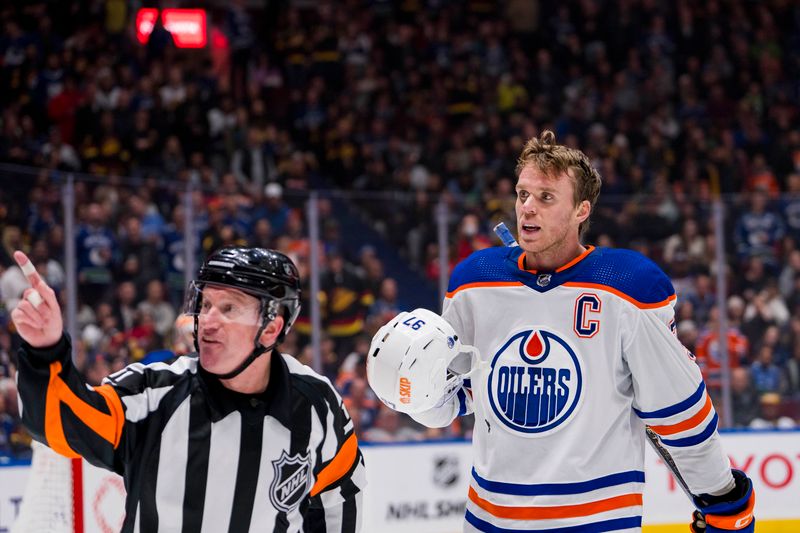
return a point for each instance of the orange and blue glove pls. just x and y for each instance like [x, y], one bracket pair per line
[730, 512]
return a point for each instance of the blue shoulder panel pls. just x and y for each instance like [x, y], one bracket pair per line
[626, 271]
[483, 265]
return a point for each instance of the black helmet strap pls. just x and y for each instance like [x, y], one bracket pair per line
[258, 348]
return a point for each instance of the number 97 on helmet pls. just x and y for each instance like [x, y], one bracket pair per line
[416, 362]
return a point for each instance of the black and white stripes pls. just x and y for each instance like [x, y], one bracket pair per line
[197, 457]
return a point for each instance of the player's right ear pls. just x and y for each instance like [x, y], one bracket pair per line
[584, 210]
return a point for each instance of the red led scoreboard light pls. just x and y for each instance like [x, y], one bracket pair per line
[187, 26]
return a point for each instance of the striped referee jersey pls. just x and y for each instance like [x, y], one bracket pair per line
[196, 456]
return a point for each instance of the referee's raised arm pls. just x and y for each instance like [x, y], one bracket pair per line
[57, 406]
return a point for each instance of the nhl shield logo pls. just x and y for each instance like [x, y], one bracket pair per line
[445, 470]
[290, 482]
[543, 280]
[536, 382]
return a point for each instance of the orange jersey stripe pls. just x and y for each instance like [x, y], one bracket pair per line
[689, 423]
[577, 259]
[108, 426]
[101, 423]
[555, 511]
[607, 288]
[480, 284]
[115, 408]
[338, 466]
[587, 251]
[53, 429]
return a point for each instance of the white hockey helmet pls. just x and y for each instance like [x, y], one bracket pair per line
[416, 362]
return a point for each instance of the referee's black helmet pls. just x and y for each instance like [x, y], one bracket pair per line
[266, 274]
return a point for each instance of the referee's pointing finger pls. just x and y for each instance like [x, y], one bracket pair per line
[37, 316]
[35, 280]
[28, 269]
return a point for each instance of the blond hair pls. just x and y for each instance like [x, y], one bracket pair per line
[555, 159]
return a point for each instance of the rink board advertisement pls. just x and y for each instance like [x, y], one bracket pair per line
[416, 487]
[410, 496]
[422, 487]
[771, 459]
[12, 486]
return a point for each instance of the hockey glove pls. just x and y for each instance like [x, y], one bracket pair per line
[730, 512]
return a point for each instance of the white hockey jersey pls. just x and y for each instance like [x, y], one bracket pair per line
[574, 363]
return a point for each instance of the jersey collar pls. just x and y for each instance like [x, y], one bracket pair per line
[562, 268]
[275, 401]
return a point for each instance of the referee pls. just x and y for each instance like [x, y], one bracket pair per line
[236, 437]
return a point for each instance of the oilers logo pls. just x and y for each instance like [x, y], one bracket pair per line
[535, 382]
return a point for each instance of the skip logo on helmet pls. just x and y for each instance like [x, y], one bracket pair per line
[405, 390]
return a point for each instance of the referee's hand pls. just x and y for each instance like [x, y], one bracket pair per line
[37, 316]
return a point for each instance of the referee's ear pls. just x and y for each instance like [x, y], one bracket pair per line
[270, 334]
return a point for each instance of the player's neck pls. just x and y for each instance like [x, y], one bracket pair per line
[553, 258]
[254, 379]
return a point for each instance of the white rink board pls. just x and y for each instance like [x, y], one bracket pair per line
[422, 487]
[12, 487]
[103, 500]
[416, 487]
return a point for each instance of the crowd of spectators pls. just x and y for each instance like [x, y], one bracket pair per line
[676, 103]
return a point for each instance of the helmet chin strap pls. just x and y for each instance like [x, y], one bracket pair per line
[258, 348]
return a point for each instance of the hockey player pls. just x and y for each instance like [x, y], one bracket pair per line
[572, 356]
[236, 437]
